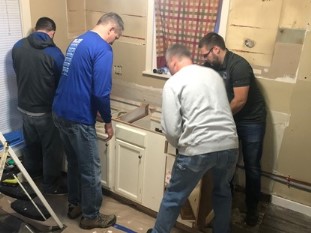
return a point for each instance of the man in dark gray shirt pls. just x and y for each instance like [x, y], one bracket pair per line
[248, 108]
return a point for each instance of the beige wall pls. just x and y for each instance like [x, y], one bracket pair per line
[280, 32]
[281, 59]
[56, 10]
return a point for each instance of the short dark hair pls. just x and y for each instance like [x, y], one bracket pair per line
[112, 17]
[211, 39]
[45, 23]
[177, 50]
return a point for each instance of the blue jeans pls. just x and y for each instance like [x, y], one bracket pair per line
[43, 152]
[251, 137]
[186, 173]
[84, 169]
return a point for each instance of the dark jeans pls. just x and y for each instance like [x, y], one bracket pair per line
[43, 152]
[84, 169]
[186, 173]
[251, 137]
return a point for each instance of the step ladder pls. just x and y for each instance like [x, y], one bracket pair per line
[19, 200]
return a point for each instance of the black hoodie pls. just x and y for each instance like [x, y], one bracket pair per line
[37, 63]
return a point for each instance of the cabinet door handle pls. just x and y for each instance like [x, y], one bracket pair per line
[139, 156]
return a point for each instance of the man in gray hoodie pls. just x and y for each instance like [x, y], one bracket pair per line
[197, 120]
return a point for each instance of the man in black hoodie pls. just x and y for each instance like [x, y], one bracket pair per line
[37, 62]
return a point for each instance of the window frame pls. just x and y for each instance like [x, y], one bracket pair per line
[151, 36]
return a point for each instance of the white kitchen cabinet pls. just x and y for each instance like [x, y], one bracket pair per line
[129, 161]
[129, 170]
[106, 154]
[153, 182]
[103, 149]
[139, 165]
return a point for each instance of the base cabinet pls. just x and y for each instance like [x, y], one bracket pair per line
[129, 170]
[139, 165]
[103, 149]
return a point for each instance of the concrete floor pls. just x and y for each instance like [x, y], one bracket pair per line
[273, 219]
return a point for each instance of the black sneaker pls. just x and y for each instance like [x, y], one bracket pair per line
[101, 221]
[149, 230]
[74, 211]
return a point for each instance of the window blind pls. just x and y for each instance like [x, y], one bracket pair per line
[10, 32]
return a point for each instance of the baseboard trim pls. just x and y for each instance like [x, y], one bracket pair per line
[295, 206]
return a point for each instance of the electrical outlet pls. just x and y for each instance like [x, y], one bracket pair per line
[117, 69]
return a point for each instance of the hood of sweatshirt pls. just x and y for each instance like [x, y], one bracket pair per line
[40, 40]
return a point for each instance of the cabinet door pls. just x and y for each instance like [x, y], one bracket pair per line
[103, 148]
[154, 171]
[129, 170]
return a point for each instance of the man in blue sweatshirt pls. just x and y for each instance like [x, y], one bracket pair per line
[84, 90]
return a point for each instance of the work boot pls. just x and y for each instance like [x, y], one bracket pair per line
[101, 221]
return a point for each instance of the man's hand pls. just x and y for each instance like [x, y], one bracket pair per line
[108, 131]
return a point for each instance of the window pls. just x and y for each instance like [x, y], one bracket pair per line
[10, 32]
[185, 22]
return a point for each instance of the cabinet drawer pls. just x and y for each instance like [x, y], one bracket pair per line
[131, 135]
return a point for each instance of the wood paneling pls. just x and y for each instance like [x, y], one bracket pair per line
[57, 11]
[264, 39]
[132, 59]
[137, 7]
[76, 22]
[304, 69]
[255, 20]
[92, 18]
[135, 26]
[255, 13]
[296, 14]
[75, 5]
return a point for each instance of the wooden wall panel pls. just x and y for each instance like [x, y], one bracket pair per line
[134, 92]
[294, 158]
[277, 94]
[296, 14]
[57, 10]
[75, 5]
[258, 21]
[304, 68]
[132, 59]
[137, 7]
[264, 39]
[92, 18]
[255, 13]
[256, 59]
[76, 22]
[135, 27]
[75, 17]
